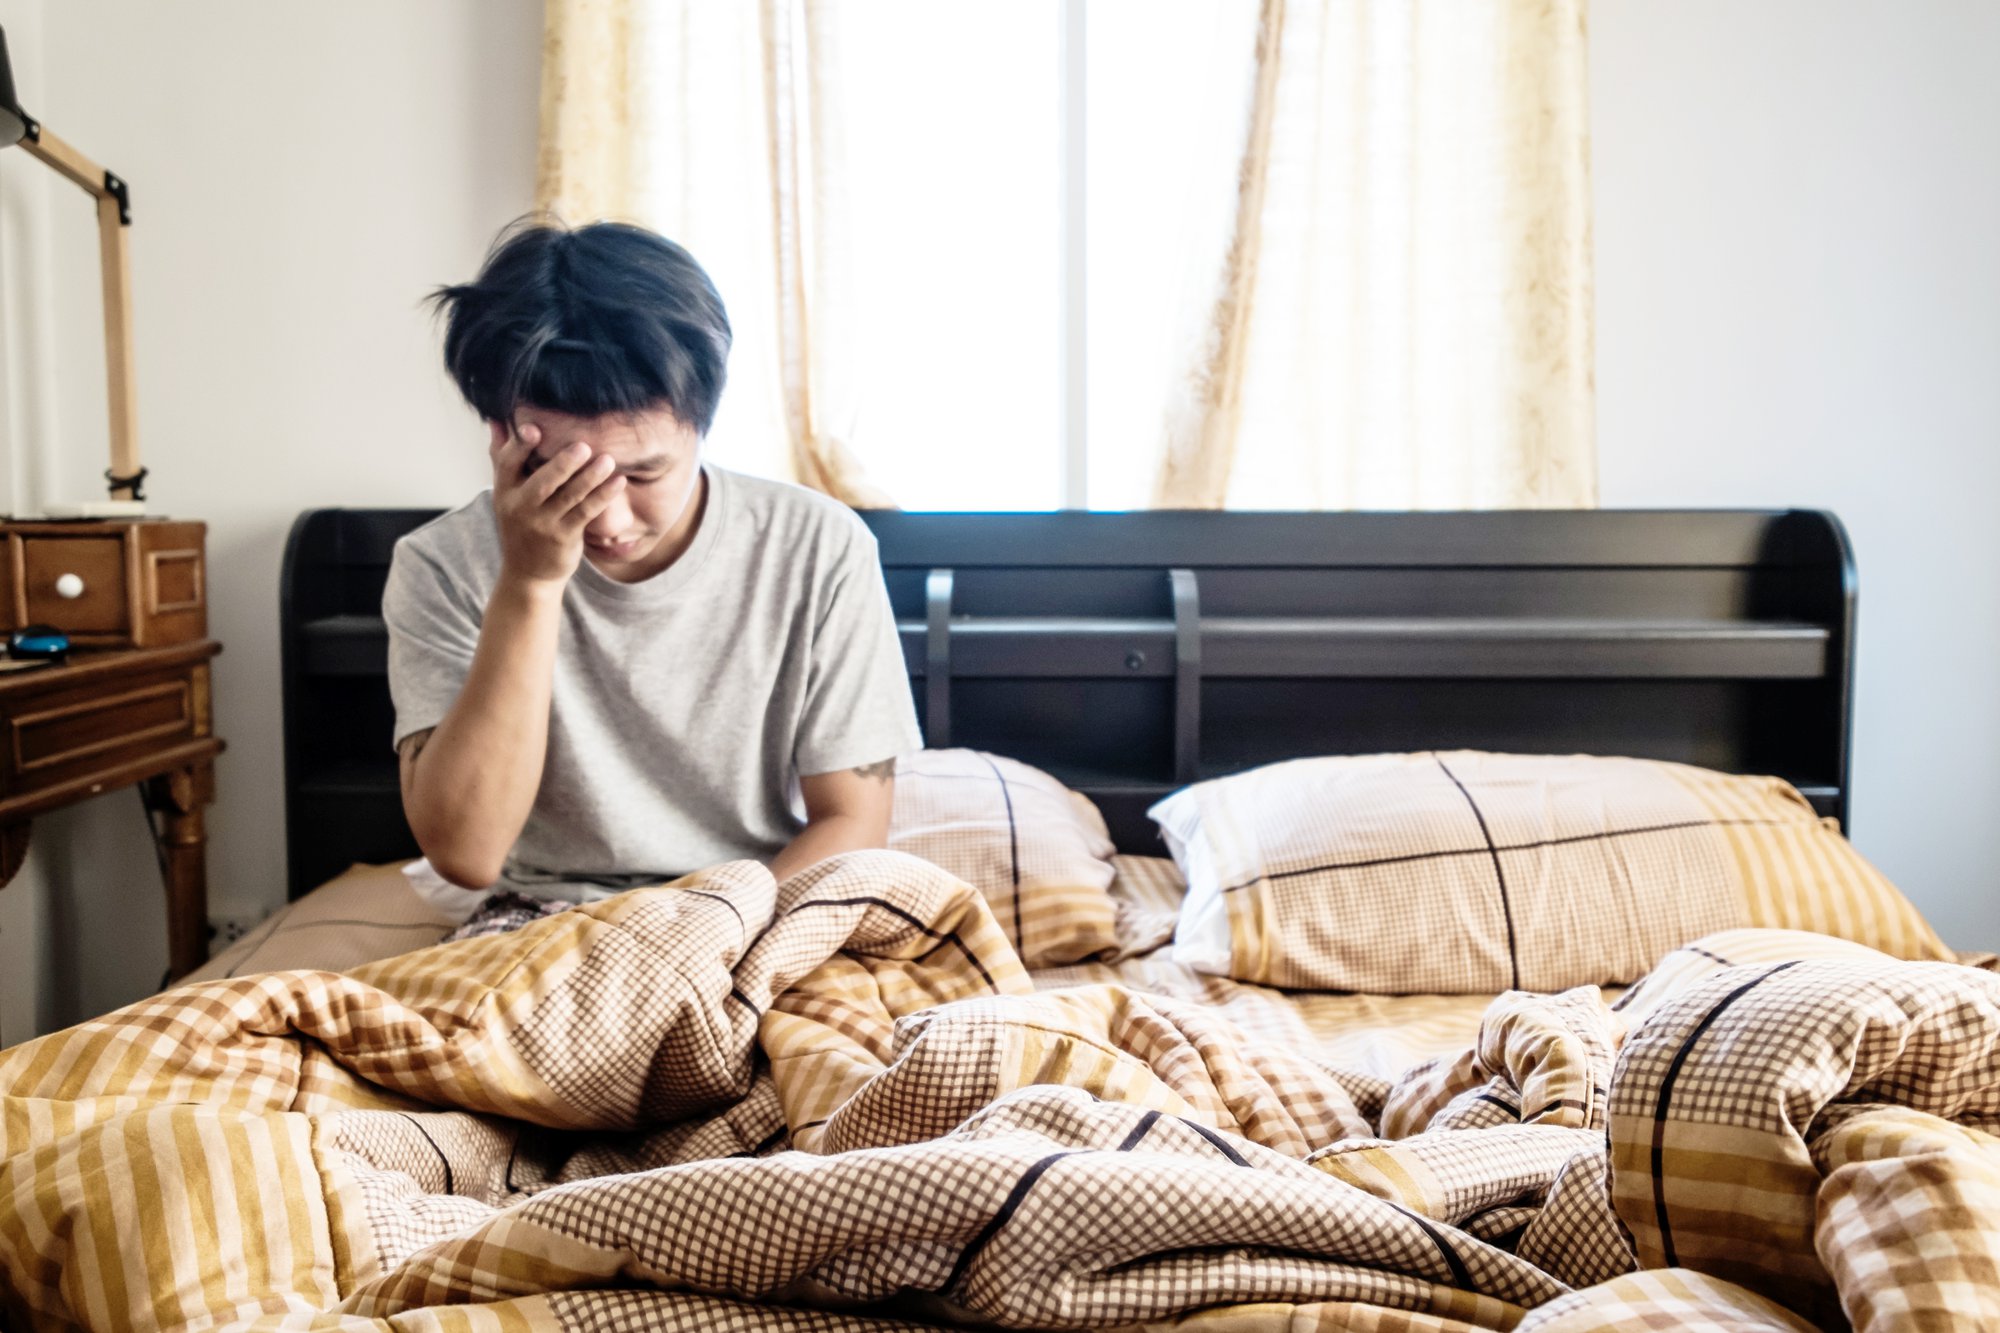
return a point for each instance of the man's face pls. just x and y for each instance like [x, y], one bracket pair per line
[648, 523]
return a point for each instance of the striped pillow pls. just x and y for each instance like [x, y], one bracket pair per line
[1464, 872]
[1037, 851]
[1797, 873]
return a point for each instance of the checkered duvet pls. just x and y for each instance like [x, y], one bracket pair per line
[842, 1104]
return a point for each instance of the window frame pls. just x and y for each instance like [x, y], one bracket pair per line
[1073, 336]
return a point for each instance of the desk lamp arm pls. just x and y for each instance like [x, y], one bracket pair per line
[114, 216]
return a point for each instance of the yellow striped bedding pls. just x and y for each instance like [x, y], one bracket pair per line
[844, 1103]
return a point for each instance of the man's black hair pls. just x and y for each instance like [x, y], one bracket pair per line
[607, 318]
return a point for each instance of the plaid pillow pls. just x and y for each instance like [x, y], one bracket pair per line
[1466, 872]
[1036, 850]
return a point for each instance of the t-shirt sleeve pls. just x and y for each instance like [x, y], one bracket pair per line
[858, 708]
[433, 631]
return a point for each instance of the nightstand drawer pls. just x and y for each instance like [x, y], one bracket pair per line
[116, 720]
[127, 583]
[63, 734]
[74, 583]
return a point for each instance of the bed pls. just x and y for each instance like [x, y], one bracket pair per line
[953, 1083]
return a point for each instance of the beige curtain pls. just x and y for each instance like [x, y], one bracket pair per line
[1385, 291]
[1399, 314]
[711, 123]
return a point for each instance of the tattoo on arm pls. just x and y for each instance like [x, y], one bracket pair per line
[412, 746]
[879, 771]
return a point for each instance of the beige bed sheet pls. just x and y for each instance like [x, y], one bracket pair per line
[362, 916]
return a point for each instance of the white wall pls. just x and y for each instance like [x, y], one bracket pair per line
[1798, 304]
[301, 176]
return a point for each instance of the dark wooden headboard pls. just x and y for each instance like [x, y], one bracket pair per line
[1130, 653]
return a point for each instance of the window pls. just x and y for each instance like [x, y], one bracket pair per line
[1032, 181]
[952, 135]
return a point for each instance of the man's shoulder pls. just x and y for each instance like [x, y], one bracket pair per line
[458, 539]
[455, 558]
[797, 514]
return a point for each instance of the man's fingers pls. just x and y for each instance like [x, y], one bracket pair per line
[582, 483]
[510, 450]
[597, 501]
[554, 473]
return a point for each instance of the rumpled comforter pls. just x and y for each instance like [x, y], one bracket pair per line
[839, 1104]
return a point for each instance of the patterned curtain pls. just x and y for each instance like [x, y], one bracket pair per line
[1400, 315]
[1391, 310]
[711, 123]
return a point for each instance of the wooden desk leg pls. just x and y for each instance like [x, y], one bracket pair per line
[179, 797]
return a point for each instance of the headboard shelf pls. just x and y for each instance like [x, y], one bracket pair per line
[1564, 647]
[1130, 653]
[1329, 646]
[1073, 646]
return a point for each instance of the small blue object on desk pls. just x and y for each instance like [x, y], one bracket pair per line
[39, 641]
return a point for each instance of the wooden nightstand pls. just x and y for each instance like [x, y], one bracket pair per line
[117, 718]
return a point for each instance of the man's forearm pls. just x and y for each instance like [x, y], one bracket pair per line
[824, 837]
[468, 792]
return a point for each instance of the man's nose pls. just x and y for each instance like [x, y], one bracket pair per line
[617, 517]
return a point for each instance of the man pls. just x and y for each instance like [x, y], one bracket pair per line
[622, 663]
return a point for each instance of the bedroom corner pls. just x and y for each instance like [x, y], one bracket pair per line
[283, 361]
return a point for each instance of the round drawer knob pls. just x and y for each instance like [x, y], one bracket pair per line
[69, 586]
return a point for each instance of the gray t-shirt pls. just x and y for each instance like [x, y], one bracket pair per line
[685, 707]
